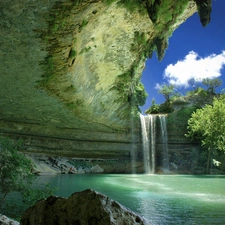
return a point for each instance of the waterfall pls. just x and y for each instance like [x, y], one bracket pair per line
[145, 142]
[164, 139]
[148, 131]
[153, 138]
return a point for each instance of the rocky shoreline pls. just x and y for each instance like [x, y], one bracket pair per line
[50, 165]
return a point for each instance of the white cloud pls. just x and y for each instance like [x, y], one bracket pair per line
[158, 86]
[194, 67]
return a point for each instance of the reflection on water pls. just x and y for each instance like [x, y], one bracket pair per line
[162, 199]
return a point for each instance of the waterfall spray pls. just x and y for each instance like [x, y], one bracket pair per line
[153, 139]
[145, 142]
[164, 139]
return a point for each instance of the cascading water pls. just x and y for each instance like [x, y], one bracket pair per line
[164, 139]
[153, 139]
[148, 130]
[145, 142]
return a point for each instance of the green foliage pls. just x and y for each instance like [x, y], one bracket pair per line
[16, 177]
[123, 86]
[164, 14]
[15, 169]
[167, 91]
[133, 5]
[183, 115]
[153, 109]
[208, 125]
[55, 28]
[142, 46]
[72, 53]
[185, 112]
[212, 84]
[49, 63]
[198, 91]
[166, 11]
[130, 88]
[166, 107]
[140, 94]
[199, 96]
[204, 10]
[161, 45]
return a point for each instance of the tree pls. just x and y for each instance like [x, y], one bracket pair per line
[167, 91]
[208, 125]
[212, 84]
[15, 169]
[192, 82]
[16, 174]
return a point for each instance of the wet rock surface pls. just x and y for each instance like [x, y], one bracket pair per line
[81, 208]
[4, 220]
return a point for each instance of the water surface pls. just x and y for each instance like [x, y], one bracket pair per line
[162, 199]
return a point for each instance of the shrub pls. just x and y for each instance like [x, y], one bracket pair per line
[16, 177]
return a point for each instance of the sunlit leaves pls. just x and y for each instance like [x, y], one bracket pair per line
[208, 124]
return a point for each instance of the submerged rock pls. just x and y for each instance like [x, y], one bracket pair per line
[81, 208]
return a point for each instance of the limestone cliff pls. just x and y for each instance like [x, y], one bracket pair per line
[70, 70]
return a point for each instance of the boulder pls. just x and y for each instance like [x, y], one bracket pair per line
[7, 221]
[97, 169]
[81, 208]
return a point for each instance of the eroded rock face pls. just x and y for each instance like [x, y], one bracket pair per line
[69, 70]
[81, 208]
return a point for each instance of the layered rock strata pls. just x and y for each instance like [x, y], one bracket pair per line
[70, 72]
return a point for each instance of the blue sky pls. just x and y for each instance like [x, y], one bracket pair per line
[194, 52]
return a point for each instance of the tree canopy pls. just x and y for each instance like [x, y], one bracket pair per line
[208, 125]
[167, 91]
[212, 84]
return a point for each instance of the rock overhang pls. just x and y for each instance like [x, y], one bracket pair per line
[74, 66]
